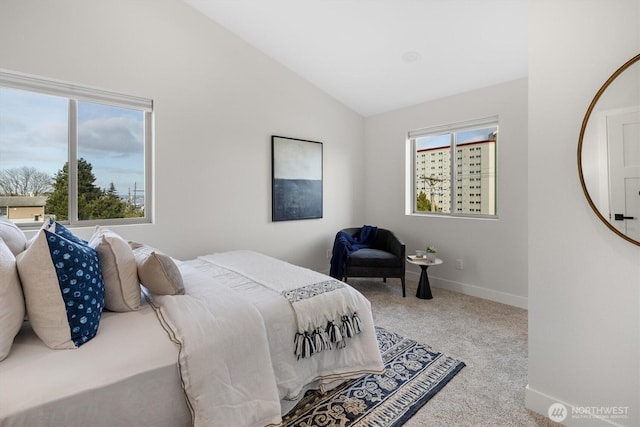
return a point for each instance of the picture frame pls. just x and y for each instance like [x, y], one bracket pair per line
[296, 176]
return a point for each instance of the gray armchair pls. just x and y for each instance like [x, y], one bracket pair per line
[385, 258]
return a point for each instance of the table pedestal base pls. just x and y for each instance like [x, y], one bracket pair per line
[424, 289]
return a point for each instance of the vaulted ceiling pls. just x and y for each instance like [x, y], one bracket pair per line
[380, 55]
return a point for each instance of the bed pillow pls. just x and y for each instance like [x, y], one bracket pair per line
[118, 264]
[157, 271]
[11, 300]
[63, 289]
[56, 227]
[13, 237]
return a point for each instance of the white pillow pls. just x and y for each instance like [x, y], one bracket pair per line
[157, 271]
[63, 289]
[13, 236]
[118, 264]
[11, 300]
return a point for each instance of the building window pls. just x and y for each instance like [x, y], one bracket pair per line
[77, 154]
[432, 192]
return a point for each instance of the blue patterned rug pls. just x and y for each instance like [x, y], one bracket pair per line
[413, 375]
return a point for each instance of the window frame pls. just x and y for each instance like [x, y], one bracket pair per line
[74, 93]
[412, 165]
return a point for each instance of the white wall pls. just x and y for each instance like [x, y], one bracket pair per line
[217, 102]
[494, 252]
[584, 281]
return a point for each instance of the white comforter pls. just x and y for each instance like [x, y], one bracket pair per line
[236, 338]
[224, 358]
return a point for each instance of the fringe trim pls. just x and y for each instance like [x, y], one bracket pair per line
[333, 335]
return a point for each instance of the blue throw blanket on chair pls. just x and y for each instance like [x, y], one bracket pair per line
[344, 245]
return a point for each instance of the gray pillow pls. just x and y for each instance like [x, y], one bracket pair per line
[11, 300]
[157, 271]
[118, 265]
[13, 237]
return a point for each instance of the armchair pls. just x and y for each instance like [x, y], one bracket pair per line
[384, 258]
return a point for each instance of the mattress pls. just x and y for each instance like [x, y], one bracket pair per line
[127, 376]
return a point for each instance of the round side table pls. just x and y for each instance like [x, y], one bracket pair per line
[424, 289]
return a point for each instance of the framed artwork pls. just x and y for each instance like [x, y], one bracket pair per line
[296, 166]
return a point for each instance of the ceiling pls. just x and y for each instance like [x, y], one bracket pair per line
[380, 55]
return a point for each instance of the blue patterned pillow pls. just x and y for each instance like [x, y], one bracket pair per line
[63, 288]
[56, 227]
[64, 232]
[80, 279]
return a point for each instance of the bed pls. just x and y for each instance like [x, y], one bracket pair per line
[126, 376]
[229, 351]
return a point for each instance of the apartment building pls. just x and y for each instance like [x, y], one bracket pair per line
[475, 177]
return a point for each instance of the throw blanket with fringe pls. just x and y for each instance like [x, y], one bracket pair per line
[324, 307]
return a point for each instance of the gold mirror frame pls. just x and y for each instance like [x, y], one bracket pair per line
[595, 209]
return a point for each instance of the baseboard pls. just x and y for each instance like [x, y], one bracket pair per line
[473, 290]
[567, 414]
[540, 402]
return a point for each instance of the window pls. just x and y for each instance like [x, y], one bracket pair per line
[473, 167]
[77, 154]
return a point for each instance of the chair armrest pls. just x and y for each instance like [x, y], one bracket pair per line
[395, 246]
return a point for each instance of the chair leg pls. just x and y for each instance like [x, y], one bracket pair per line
[384, 279]
[403, 290]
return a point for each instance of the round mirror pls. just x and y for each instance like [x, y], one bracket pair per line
[609, 152]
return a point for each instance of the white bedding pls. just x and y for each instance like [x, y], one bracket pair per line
[131, 365]
[227, 345]
[326, 309]
[293, 376]
[224, 355]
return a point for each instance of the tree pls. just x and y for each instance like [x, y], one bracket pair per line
[58, 201]
[108, 205]
[24, 181]
[423, 203]
[93, 202]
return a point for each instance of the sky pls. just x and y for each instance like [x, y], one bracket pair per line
[34, 133]
[444, 139]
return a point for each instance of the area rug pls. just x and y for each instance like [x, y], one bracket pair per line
[413, 375]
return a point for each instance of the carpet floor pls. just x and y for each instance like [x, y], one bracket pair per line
[491, 338]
